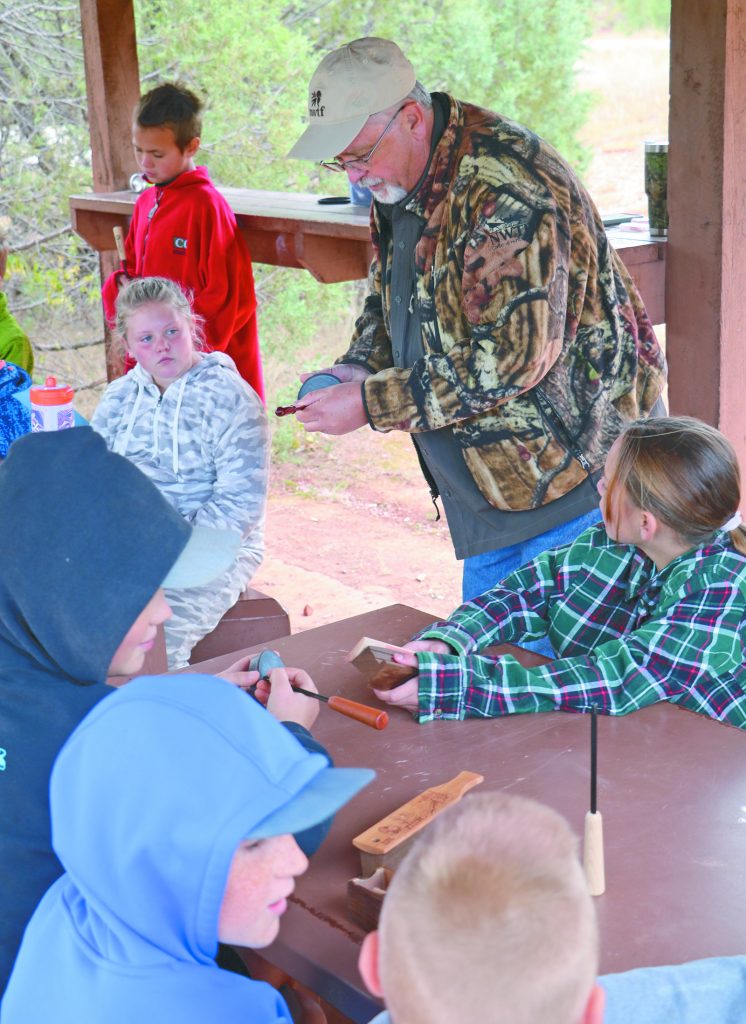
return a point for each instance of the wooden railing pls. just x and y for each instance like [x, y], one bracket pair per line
[332, 242]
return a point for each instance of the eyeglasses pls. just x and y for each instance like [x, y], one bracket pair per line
[359, 161]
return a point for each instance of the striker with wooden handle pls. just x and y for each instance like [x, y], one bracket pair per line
[264, 662]
[593, 844]
[119, 242]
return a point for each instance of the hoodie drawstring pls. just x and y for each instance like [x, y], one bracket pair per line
[175, 438]
[121, 447]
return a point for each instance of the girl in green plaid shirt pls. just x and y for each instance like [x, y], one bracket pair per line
[649, 606]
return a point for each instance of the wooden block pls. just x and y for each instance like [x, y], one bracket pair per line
[374, 658]
[365, 898]
[386, 842]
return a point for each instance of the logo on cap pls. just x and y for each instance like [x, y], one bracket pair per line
[315, 109]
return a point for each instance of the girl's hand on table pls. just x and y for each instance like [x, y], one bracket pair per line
[434, 646]
[407, 694]
[404, 696]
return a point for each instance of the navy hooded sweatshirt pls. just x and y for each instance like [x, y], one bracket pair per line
[87, 541]
[150, 798]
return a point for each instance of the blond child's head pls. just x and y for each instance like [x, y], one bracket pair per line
[157, 327]
[488, 919]
[148, 291]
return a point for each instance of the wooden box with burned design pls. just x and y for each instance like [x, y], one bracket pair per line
[384, 844]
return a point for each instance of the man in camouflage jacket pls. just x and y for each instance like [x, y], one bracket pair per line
[533, 348]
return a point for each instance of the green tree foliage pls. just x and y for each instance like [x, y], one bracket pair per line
[52, 278]
[507, 55]
[637, 14]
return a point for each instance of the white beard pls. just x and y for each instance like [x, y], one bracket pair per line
[388, 195]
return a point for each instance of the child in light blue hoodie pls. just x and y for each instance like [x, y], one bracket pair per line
[174, 805]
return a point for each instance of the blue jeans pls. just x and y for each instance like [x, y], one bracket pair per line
[482, 572]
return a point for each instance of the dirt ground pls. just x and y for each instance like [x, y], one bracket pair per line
[351, 528]
[350, 523]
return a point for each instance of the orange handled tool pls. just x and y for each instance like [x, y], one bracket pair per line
[265, 661]
[373, 717]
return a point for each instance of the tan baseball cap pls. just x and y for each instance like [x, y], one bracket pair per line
[349, 85]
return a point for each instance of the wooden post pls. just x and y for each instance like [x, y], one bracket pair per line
[706, 254]
[112, 88]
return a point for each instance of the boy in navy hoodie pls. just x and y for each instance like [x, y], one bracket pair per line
[89, 542]
[183, 228]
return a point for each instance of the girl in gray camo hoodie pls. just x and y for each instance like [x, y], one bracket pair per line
[189, 422]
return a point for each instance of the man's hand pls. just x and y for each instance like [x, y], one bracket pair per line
[283, 702]
[335, 410]
[342, 371]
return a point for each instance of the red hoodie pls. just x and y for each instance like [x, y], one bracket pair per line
[186, 231]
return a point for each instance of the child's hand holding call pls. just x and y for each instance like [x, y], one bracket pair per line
[281, 700]
[407, 695]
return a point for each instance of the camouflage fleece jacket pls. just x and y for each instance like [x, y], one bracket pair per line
[536, 340]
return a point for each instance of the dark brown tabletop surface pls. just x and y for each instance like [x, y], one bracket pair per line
[671, 789]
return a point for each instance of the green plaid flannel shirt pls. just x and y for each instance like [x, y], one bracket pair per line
[626, 635]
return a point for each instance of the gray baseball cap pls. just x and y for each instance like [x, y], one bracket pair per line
[349, 86]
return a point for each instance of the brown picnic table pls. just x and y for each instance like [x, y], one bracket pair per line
[671, 788]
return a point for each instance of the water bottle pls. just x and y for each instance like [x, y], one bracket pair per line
[51, 406]
[656, 187]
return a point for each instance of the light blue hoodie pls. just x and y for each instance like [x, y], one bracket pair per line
[150, 798]
[700, 992]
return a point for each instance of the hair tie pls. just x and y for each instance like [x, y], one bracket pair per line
[733, 523]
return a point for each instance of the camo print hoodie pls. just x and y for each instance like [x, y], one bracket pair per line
[204, 443]
[537, 345]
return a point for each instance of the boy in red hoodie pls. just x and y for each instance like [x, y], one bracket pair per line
[182, 228]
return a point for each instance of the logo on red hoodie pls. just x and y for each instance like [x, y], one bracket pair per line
[179, 245]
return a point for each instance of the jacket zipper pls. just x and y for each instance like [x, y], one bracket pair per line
[151, 214]
[560, 432]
